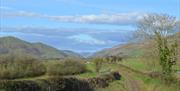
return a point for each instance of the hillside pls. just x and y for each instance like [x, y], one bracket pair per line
[132, 49]
[39, 50]
[72, 54]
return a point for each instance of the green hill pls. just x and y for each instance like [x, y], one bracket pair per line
[39, 50]
[134, 49]
[130, 49]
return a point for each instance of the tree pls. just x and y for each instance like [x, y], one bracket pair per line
[112, 59]
[158, 27]
[98, 64]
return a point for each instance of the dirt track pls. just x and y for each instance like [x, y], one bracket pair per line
[131, 84]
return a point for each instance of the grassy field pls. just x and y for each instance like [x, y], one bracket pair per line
[134, 63]
[128, 81]
[145, 65]
[150, 84]
[156, 84]
[146, 83]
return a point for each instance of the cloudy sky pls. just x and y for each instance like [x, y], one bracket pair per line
[78, 25]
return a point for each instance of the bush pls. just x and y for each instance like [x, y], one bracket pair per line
[49, 84]
[66, 67]
[20, 66]
[103, 80]
[60, 83]
[23, 85]
[98, 64]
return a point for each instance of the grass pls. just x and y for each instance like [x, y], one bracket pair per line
[86, 75]
[145, 65]
[134, 63]
[66, 67]
[90, 66]
[149, 84]
[136, 53]
[176, 67]
[20, 66]
[114, 86]
[92, 73]
[152, 84]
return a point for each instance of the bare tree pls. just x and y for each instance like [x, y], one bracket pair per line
[158, 27]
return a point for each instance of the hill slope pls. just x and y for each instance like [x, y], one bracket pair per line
[133, 49]
[130, 49]
[14, 45]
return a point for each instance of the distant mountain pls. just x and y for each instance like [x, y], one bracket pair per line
[86, 54]
[14, 45]
[72, 54]
[133, 49]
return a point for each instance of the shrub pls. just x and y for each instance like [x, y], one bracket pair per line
[49, 84]
[23, 85]
[60, 83]
[68, 84]
[66, 67]
[20, 66]
[103, 80]
[98, 64]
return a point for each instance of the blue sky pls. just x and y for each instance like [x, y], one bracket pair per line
[90, 25]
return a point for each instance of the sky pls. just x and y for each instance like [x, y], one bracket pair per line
[79, 25]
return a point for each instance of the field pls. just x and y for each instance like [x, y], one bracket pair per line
[130, 80]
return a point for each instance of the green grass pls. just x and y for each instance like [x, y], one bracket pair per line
[136, 53]
[149, 84]
[34, 78]
[106, 68]
[87, 75]
[176, 67]
[145, 65]
[135, 64]
[152, 84]
[114, 86]
[91, 71]
[20, 66]
[90, 66]
[2, 90]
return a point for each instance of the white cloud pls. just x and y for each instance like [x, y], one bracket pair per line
[87, 39]
[20, 13]
[114, 19]
[5, 8]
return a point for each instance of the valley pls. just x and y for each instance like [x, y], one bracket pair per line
[136, 73]
[89, 45]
